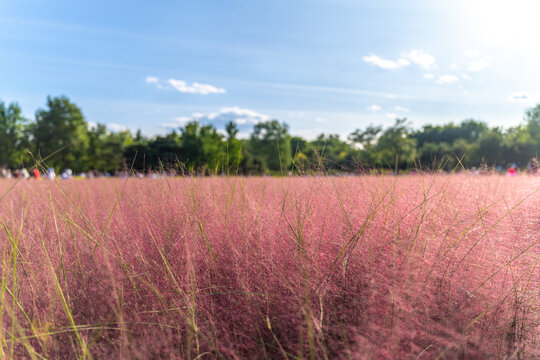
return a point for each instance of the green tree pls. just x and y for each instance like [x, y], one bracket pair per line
[332, 152]
[214, 150]
[518, 145]
[106, 148]
[447, 145]
[234, 154]
[302, 152]
[270, 145]
[202, 148]
[138, 153]
[61, 128]
[12, 136]
[366, 140]
[532, 117]
[490, 148]
[396, 147]
[165, 152]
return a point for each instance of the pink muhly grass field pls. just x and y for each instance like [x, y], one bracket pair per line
[370, 267]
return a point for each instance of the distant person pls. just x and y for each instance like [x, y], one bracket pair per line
[484, 169]
[532, 166]
[51, 174]
[25, 174]
[67, 174]
[511, 171]
[36, 174]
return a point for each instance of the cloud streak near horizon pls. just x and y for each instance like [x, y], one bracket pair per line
[244, 118]
[183, 87]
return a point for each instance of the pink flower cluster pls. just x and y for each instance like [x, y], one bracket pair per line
[370, 267]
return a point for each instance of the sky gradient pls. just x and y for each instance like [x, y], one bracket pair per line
[321, 65]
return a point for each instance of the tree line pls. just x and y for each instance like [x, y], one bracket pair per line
[60, 137]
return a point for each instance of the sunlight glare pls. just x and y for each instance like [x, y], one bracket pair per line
[511, 24]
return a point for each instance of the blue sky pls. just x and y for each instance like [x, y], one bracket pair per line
[320, 65]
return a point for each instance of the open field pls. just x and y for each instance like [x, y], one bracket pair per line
[411, 267]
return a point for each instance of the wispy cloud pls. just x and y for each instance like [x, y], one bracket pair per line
[429, 76]
[385, 63]
[520, 96]
[235, 113]
[447, 79]
[472, 53]
[110, 126]
[117, 127]
[476, 61]
[391, 113]
[479, 64]
[421, 58]
[401, 109]
[184, 87]
[415, 56]
[244, 118]
[195, 88]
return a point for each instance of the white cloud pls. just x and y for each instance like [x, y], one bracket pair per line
[374, 108]
[111, 126]
[479, 64]
[391, 96]
[177, 122]
[117, 127]
[384, 63]
[320, 120]
[183, 87]
[520, 96]
[401, 109]
[391, 115]
[403, 62]
[421, 58]
[195, 88]
[476, 61]
[429, 76]
[183, 120]
[244, 118]
[418, 57]
[237, 114]
[472, 53]
[308, 134]
[454, 66]
[447, 79]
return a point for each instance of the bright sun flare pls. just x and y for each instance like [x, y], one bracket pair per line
[512, 24]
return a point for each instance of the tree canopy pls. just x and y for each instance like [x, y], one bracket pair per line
[62, 137]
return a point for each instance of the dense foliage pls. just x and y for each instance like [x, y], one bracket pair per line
[63, 138]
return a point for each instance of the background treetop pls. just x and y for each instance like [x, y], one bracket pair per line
[61, 134]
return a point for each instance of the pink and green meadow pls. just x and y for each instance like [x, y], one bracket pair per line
[369, 267]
